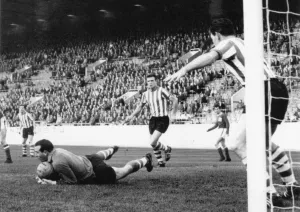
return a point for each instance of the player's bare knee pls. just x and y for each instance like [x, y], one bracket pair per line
[132, 166]
[153, 142]
[217, 145]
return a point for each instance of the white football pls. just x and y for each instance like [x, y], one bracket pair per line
[44, 169]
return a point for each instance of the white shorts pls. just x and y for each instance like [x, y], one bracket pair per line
[222, 132]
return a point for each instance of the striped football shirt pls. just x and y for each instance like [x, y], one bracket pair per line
[157, 101]
[26, 120]
[231, 51]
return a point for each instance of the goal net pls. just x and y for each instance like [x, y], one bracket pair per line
[272, 32]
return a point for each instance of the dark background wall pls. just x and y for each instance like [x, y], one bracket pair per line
[26, 19]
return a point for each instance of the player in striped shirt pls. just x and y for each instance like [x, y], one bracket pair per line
[230, 49]
[27, 128]
[157, 98]
[3, 130]
[223, 125]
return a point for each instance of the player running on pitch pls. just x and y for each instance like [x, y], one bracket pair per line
[157, 98]
[69, 168]
[223, 125]
[230, 49]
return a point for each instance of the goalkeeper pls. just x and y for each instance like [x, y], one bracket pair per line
[69, 168]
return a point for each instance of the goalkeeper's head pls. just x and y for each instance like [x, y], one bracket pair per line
[220, 29]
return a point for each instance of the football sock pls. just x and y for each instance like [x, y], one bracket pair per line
[7, 151]
[24, 149]
[137, 164]
[282, 165]
[105, 153]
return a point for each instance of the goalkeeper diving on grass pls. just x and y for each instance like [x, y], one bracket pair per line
[60, 166]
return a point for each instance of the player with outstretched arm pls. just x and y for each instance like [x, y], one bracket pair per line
[230, 49]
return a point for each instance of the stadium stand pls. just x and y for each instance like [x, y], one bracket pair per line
[71, 96]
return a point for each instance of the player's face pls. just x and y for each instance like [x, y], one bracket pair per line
[151, 82]
[22, 110]
[43, 156]
[217, 110]
[215, 38]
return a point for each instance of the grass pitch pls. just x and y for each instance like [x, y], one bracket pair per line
[193, 180]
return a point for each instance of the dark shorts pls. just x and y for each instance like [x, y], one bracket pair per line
[160, 124]
[27, 131]
[278, 106]
[104, 173]
[270, 131]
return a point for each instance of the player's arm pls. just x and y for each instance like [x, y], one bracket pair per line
[20, 124]
[213, 127]
[65, 173]
[224, 117]
[171, 98]
[174, 101]
[199, 62]
[137, 110]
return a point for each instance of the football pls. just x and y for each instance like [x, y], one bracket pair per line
[44, 170]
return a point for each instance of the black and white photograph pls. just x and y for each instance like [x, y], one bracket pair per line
[149, 105]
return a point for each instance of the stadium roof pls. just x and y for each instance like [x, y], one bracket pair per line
[42, 15]
[29, 12]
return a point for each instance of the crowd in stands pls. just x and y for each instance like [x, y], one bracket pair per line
[70, 100]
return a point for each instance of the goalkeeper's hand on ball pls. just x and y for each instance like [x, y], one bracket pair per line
[40, 181]
[44, 181]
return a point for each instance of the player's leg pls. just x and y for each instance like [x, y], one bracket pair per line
[104, 174]
[273, 197]
[158, 147]
[240, 148]
[280, 160]
[272, 193]
[31, 146]
[224, 147]
[6, 147]
[219, 148]
[282, 165]
[133, 166]
[158, 126]
[30, 141]
[153, 139]
[238, 142]
[24, 145]
[108, 153]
